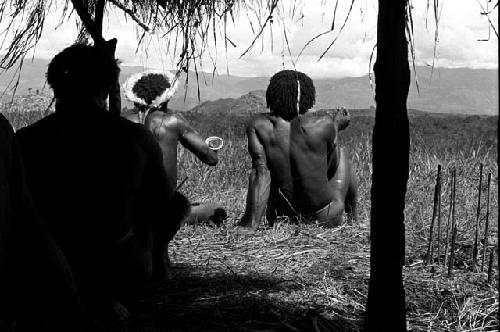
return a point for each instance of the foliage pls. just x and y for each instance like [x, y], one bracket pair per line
[186, 26]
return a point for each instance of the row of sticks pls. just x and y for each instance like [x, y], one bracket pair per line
[451, 226]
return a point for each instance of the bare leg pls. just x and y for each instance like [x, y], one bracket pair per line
[351, 199]
[344, 193]
[206, 212]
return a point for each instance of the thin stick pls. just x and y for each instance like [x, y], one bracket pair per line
[453, 225]
[182, 183]
[490, 265]
[485, 240]
[478, 213]
[439, 218]
[452, 251]
[448, 223]
[430, 248]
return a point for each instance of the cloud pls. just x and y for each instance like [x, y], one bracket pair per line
[460, 27]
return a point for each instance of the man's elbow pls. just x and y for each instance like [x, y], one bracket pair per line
[260, 169]
[212, 159]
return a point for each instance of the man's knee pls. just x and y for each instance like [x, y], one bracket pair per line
[331, 215]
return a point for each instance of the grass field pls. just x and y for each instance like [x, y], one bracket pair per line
[306, 278]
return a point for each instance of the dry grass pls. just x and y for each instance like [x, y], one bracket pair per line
[291, 277]
[306, 278]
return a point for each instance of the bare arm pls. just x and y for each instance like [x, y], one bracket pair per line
[192, 141]
[332, 122]
[259, 182]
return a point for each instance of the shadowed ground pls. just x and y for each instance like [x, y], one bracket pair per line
[284, 279]
[299, 278]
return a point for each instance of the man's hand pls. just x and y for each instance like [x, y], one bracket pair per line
[343, 118]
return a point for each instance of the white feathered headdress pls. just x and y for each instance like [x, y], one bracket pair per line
[140, 88]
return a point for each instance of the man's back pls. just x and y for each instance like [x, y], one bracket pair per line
[297, 168]
[170, 128]
[297, 154]
[90, 173]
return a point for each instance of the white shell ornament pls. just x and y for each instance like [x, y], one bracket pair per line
[214, 143]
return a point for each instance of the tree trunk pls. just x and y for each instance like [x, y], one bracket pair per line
[94, 28]
[385, 310]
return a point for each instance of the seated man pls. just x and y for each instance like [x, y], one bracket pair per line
[151, 91]
[98, 181]
[298, 168]
[26, 246]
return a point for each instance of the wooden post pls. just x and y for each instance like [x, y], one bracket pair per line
[439, 218]
[452, 251]
[485, 240]
[430, 248]
[490, 265]
[478, 214]
[450, 209]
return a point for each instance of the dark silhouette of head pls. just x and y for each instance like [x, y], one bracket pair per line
[282, 93]
[82, 71]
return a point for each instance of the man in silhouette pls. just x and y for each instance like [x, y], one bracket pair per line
[99, 182]
[36, 282]
[298, 168]
[151, 91]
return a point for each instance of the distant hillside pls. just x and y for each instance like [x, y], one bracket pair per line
[458, 90]
[255, 102]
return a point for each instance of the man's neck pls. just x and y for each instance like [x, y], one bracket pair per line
[73, 105]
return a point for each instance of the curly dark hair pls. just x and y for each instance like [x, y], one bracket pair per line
[82, 70]
[150, 86]
[281, 94]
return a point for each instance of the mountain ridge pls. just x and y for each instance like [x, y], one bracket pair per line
[442, 90]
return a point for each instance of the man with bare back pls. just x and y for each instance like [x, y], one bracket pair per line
[298, 168]
[99, 183]
[151, 91]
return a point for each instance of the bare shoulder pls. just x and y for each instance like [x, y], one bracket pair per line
[323, 115]
[136, 131]
[319, 119]
[165, 122]
[260, 121]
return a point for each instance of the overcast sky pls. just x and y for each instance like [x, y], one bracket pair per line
[460, 28]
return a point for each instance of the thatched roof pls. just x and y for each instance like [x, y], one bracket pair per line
[184, 25]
